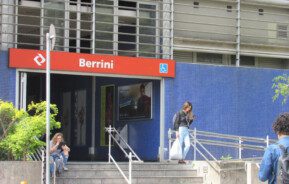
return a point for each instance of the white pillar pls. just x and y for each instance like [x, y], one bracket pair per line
[167, 20]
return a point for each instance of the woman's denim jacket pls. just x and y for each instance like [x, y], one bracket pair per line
[269, 164]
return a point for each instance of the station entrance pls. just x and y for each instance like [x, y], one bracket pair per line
[93, 91]
[88, 104]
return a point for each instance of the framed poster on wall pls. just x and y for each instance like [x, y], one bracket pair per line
[135, 101]
[106, 111]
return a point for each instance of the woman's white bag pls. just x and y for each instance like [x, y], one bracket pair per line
[176, 151]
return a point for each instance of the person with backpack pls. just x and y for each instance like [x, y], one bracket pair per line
[182, 121]
[275, 162]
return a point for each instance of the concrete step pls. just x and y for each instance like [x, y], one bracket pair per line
[90, 173]
[124, 165]
[139, 180]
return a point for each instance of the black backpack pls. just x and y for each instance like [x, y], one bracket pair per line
[175, 121]
[283, 166]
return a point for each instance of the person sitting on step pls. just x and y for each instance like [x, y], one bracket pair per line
[59, 153]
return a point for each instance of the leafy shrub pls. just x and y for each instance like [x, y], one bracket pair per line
[21, 130]
[281, 87]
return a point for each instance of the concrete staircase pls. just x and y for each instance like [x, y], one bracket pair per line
[143, 173]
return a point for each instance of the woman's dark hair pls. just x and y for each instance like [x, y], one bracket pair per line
[281, 125]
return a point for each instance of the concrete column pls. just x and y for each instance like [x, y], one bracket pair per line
[7, 27]
[167, 29]
[66, 26]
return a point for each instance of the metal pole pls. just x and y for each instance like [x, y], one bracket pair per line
[195, 144]
[129, 168]
[162, 120]
[41, 24]
[93, 27]
[240, 148]
[267, 141]
[238, 33]
[47, 107]
[170, 140]
[109, 143]
[172, 30]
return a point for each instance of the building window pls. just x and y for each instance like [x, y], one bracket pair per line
[282, 31]
[208, 58]
[229, 8]
[196, 4]
[244, 60]
[137, 36]
[126, 5]
[82, 2]
[261, 11]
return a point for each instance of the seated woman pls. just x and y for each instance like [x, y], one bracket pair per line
[59, 153]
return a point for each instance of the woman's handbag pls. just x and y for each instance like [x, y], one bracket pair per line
[176, 151]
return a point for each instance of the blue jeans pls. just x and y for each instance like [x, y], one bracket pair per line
[65, 158]
[58, 160]
[184, 137]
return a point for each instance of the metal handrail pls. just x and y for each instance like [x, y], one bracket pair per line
[129, 179]
[43, 162]
[39, 155]
[208, 161]
[110, 130]
[130, 156]
[231, 141]
[254, 141]
[194, 143]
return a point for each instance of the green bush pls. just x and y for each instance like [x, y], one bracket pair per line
[281, 87]
[21, 130]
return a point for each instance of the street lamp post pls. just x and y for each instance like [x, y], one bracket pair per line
[50, 40]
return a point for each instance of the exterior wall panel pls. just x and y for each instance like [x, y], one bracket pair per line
[228, 100]
[7, 79]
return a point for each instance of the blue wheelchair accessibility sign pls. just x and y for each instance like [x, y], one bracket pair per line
[164, 68]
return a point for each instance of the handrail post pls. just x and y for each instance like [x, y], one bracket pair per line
[195, 143]
[267, 141]
[240, 148]
[170, 140]
[130, 168]
[109, 143]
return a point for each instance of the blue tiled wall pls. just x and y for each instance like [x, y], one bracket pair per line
[7, 79]
[226, 100]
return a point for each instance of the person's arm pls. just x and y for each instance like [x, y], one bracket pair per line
[53, 148]
[266, 167]
[177, 121]
[177, 124]
[66, 148]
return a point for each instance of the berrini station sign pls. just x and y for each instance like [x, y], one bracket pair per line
[91, 63]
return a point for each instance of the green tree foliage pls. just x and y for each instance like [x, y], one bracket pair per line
[281, 87]
[22, 130]
[7, 115]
